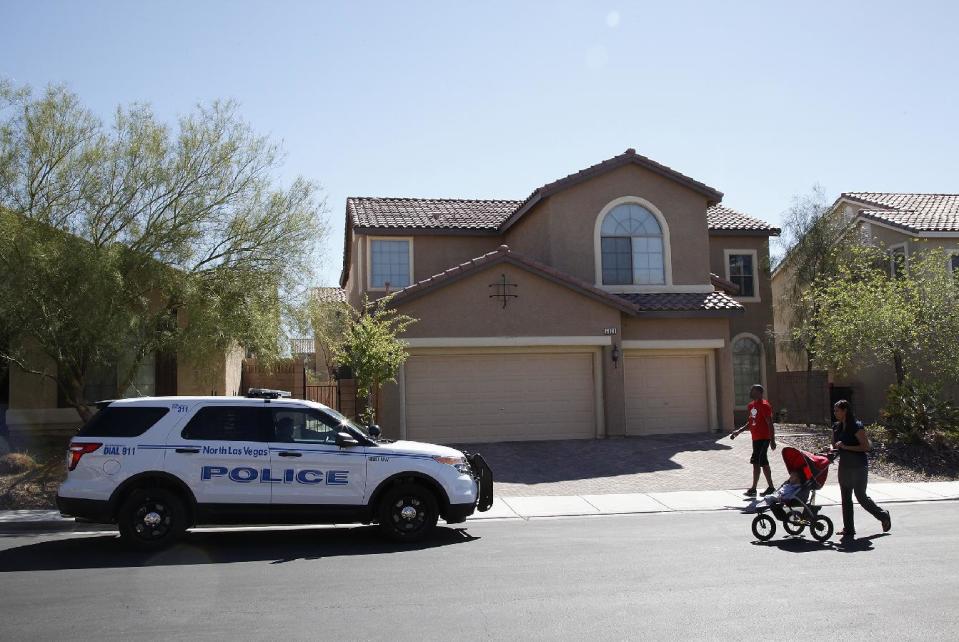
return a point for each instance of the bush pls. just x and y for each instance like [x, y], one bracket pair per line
[916, 413]
[16, 463]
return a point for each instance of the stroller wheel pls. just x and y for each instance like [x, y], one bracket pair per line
[764, 527]
[821, 528]
[794, 522]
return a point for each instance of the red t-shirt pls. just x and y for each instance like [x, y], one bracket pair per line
[760, 419]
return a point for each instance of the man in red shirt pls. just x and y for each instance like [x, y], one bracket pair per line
[759, 420]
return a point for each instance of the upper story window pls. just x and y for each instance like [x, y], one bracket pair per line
[631, 242]
[390, 263]
[954, 263]
[898, 261]
[742, 269]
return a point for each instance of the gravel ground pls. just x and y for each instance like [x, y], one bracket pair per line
[895, 462]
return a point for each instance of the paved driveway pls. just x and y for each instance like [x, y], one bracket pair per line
[703, 461]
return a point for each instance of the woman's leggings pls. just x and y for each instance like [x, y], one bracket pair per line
[853, 480]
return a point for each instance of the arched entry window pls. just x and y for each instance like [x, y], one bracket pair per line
[631, 242]
[747, 367]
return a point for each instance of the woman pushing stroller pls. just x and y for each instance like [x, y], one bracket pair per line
[852, 443]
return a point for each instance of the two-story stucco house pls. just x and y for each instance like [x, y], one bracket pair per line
[619, 300]
[905, 225]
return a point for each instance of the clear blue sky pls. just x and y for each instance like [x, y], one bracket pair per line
[491, 99]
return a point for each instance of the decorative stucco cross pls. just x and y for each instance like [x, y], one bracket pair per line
[502, 291]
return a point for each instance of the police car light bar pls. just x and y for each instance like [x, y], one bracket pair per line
[266, 393]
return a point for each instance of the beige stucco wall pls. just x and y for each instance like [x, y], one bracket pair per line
[758, 319]
[560, 230]
[542, 308]
[220, 376]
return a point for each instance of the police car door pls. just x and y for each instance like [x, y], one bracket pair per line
[308, 466]
[222, 453]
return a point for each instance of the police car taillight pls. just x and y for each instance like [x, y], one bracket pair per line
[76, 451]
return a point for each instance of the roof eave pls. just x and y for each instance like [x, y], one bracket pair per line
[773, 231]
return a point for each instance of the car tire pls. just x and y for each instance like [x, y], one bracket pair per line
[408, 512]
[151, 518]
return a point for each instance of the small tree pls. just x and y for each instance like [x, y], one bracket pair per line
[329, 321]
[814, 243]
[373, 350]
[864, 317]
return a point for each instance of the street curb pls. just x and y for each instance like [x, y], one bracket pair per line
[69, 525]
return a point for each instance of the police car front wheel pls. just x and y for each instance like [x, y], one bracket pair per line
[151, 518]
[408, 512]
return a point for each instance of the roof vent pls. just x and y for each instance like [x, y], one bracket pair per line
[630, 150]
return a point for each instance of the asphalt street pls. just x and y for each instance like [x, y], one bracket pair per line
[656, 576]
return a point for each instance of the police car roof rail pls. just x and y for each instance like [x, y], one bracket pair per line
[267, 393]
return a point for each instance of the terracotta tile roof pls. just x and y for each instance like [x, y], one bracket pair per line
[472, 214]
[429, 213]
[912, 212]
[330, 295]
[722, 218]
[682, 302]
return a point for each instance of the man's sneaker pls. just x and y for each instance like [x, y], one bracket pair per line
[886, 522]
[750, 493]
[769, 491]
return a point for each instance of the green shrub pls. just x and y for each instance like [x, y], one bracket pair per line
[16, 463]
[916, 413]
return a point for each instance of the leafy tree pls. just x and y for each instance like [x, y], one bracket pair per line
[814, 243]
[372, 348]
[864, 317]
[124, 239]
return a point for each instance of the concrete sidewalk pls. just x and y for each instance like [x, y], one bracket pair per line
[573, 505]
[699, 500]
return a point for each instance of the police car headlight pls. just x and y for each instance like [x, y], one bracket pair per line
[459, 463]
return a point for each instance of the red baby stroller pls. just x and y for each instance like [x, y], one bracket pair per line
[798, 510]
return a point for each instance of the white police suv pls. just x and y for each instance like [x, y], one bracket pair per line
[157, 466]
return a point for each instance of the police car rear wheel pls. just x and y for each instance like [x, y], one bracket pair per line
[408, 512]
[150, 519]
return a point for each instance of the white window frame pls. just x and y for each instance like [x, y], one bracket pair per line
[755, 254]
[369, 260]
[762, 362]
[904, 246]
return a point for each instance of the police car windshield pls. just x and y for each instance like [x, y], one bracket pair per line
[346, 421]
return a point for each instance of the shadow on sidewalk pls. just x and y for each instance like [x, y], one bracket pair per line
[276, 546]
[541, 462]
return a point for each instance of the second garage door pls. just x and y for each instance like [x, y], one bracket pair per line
[500, 396]
[666, 393]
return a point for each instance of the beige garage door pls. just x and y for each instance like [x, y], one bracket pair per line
[456, 398]
[666, 393]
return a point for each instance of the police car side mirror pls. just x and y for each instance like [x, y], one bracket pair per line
[345, 440]
[374, 430]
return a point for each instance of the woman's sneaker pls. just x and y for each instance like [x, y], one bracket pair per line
[886, 522]
[750, 493]
[769, 491]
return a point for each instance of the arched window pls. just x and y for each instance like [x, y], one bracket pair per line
[632, 247]
[747, 367]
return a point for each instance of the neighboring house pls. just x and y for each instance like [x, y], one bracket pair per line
[35, 403]
[905, 225]
[620, 300]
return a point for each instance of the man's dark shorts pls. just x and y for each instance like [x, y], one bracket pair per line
[760, 449]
